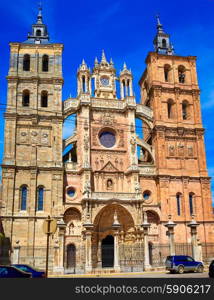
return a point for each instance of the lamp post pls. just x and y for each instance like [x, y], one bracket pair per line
[170, 226]
[193, 229]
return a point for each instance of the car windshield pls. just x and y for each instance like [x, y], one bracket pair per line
[27, 268]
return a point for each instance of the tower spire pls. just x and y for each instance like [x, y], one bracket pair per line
[161, 41]
[159, 25]
[39, 16]
[39, 34]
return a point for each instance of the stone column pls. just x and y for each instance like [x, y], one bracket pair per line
[116, 226]
[170, 226]
[16, 253]
[60, 267]
[88, 253]
[193, 227]
[121, 90]
[56, 256]
[99, 254]
[145, 227]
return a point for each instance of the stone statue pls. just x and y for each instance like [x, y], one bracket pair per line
[87, 189]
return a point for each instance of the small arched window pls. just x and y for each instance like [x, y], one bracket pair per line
[40, 198]
[185, 110]
[38, 32]
[191, 206]
[23, 197]
[26, 98]
[26, 62]
[83, 84]
[45, 63]
[124, 88]
[181, 74]
[170, 109]
[178, 202]
[44, 99]
[163, 43]
[166, 73]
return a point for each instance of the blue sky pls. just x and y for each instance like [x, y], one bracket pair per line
[125, 29]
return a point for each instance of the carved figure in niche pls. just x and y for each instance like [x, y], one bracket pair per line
[87, 189]
[101, 161]
[133, 144]
[181, 149]
[190, 151]
[171, 150]
[109, 184]
[97, 163]
[137, 187]
[71, 229]
[116, 161]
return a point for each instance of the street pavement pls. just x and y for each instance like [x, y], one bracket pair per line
[154, 274]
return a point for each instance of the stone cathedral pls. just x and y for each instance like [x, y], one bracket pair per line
[122, 201]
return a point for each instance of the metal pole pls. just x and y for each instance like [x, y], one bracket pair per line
[47, 249]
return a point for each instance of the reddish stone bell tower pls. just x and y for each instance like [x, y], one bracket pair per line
[170, 88]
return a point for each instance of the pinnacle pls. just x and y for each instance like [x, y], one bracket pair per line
[103, 57]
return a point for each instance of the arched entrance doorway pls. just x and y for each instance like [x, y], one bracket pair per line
[108, 252]
[71, 257]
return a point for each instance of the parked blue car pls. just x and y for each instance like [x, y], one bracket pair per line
[13, 272]
[35, 272]
[182, 263]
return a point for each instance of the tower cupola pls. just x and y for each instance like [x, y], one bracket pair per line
[126, 78]
[39, 34]
[161, 41]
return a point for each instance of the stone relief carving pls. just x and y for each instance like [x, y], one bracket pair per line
[121, 135]
[94, 136]
[190, 150]
[107, 119]
[86, 142]
[171, 150]
[180, 149]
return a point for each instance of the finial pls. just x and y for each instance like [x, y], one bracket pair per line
[83, 62]
[103, 57]
[159, 25]
[111, 62]
[39, 16]
[158, 20]
[124, 66]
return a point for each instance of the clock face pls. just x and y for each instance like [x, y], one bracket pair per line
[104, 81]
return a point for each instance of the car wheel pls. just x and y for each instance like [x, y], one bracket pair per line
[200, 269]
[180, 269]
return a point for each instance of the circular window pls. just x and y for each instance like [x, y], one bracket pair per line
[71, 192]
[107, 139]
[146, 195]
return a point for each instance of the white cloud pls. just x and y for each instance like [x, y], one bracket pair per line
[109, 12]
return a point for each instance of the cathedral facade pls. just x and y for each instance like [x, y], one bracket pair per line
[122, 200]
